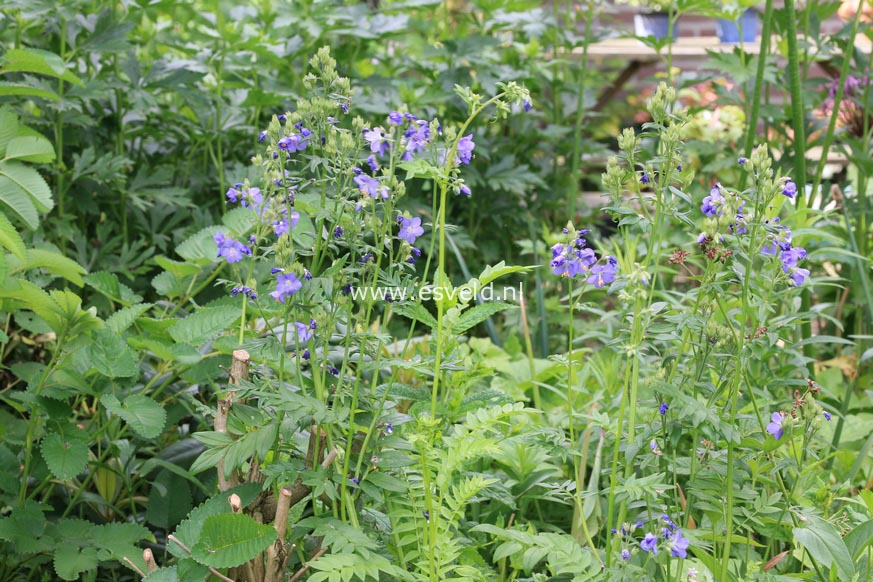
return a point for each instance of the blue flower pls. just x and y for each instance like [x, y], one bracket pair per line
[389, 428]
[790, 258]
[371, 161]
[666, 519]
[232, 250]
[410, 229]
[789, 189]
[603, 274]
[377, 140]
[338, 232]
[827, 416]
[395, 118]
[678, 544]
[262, 136]
[742, 161]
[304, 334]
[663, 408]
[527, 105]
[232, 194]
[465, 149]
[775, 426]
[712, 204]
[295, 142]
[416, 138]
[569, 260]
[371, 187]
[650, 544]
[625, 555]
[465, 190]
[644, 179]
[286, 285]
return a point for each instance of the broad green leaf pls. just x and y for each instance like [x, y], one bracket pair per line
[71, 560]
[178, 268]
[121, 540]
[30, 149]
[10, 238]
[201, 246]
[167, 574]
[18, 202]
[8, 89]
[111, 356]
[859, 538]
[477, 314]
[65, 457]
[28, 60]
[205, 324]
[169, 500]
[8, 127]
[188, 531]
[107, 284]
[387, 482]
[30, 181]
[231, 539]
[143, 414]
[122, 319]
[416, 312]
[53, 262]
[823, 542]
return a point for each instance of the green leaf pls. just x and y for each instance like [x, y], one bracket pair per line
[107, 284]
[143, 414]
[122, 319]
[386, 482]
[200, 246]
[205, 324]
[859, 538]
[111, 356]
[169, 500]
[231, 539]
[30, 181]
[71, 560]
[167, 574]
[188, 531]
[18, 202]
[30, 148]
[416, 312]
[8, 89]
[10, 238]
[476, 315]
[65, 457]
[823, 542]
[30, 60]
[53, 262]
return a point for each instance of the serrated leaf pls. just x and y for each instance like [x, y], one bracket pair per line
[30, 181]
[477, 314]
[111, 356]
[65, 457]
[143, 414]
[18, 202]
[386, 482]
[205, 324]
[177, 268]
[28, 60]
[188, 531]
[107, 284]
[200, 246]
[71, 561]
[416, 312]
[167, 574]
[8, 89]
[231, 539]
[10, 238]
[30, 148]
[53, 262]
[122, 319]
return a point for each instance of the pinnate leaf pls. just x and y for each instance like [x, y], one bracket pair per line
[231, 539]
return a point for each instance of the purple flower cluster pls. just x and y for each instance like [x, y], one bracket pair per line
[371, 187]
[415, 138]
[569, 260]
[232, 250]
[249, 197]
[713, 205]
[296, 142]
[790, 258]
[281, 226]
[673, 539]
[286, 285]
[247, 291]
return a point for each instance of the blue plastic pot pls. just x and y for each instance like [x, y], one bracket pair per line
[729, 31]
[655, 24]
